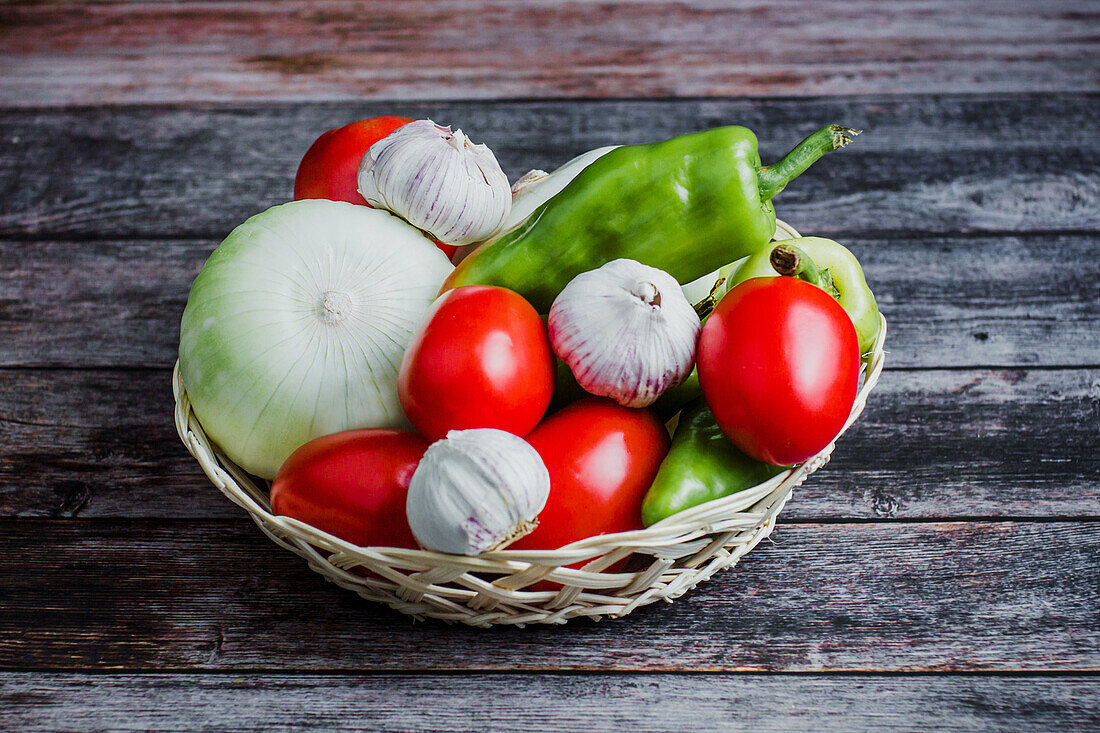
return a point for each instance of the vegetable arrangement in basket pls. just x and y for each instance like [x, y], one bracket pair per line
[519, 399]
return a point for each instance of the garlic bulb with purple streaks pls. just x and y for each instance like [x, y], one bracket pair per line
[476, 490]
[626, 331]
[438, 181]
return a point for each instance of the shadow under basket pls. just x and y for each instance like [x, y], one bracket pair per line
[665, 560]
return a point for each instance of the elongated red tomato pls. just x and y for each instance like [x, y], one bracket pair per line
[480, 359]
[602, 458]
[352, 485]
[328, 169]
[779, 367]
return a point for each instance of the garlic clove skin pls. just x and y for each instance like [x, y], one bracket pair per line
[626, 331]
[476, 490]
[528, 182]
[438, 181]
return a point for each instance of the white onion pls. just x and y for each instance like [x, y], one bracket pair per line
[296, 326]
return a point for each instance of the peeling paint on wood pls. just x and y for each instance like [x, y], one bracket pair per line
[535, 703]
[863, 597]
[141, 52]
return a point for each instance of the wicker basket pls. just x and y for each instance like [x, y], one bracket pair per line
[672, 556]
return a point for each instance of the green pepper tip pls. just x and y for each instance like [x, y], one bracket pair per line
[842, 135]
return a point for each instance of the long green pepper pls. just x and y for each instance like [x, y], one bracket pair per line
[701, 466]
[687, 206]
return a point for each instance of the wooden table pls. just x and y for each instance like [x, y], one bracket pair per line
[943, 572]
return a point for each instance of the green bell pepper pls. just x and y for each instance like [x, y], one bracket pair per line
[702, 465]
[687, 206]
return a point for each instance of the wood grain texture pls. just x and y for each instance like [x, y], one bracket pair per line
[134, 596]
[931, 444]
[951, 301]
[219, 595]
[94, 53]
[925, 164]
[526, 702]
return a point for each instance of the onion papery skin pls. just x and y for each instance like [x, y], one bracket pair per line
[296, 326]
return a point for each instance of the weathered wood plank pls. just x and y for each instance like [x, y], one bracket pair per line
[931, 444]
[515, 703]
[924, 165]
[91, 53]
[951, 301]
[219, 595]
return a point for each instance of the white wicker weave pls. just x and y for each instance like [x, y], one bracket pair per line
[672, 556]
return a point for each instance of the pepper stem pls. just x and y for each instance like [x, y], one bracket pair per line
[790, 261]
[773, 178]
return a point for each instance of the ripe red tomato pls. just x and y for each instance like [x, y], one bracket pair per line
[602, 459]
[779, 367]
[480, 359]
[352, 485]
[328, 169]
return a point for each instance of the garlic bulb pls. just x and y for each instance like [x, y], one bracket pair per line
[626, 331]
[438, 181]
[476, 490]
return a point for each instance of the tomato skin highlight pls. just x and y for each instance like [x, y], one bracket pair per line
[329, 168]
[352, 485]
[602, 458]
[480, 359]
[778, 364]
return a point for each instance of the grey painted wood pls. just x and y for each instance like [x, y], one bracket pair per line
[924, 165]
[951, 301]
[931, 444]
[219, 595]
[92, 53]
[526, 702]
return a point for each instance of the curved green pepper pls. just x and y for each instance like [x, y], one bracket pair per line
[687, 206]
[825, 263]
[702, 465]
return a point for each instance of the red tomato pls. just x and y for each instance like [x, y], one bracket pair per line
[480, 359]
[448, 249]
[779, 367]
[328, 169]
[352, 485]
[602, 459]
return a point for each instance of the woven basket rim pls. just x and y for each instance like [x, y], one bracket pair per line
[696, 538]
